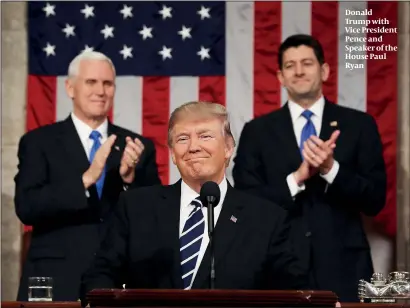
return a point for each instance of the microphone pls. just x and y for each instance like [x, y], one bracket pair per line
[210, 195]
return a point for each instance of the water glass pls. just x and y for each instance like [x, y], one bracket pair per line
[40, 289]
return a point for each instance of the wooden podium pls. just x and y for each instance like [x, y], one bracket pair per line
[209, 298]
[138, 298]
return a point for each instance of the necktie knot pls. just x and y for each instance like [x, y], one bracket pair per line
[307, 114]
[95, 135]
[196, 202]
[308, 130]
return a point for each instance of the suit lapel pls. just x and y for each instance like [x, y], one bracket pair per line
[226, 230]
[328, 121]
[284, 129]
[114, 159]
[168, 224]
[71, 144]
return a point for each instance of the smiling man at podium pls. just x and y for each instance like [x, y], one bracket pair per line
[159, 236]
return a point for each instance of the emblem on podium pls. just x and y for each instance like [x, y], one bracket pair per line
[382, 290]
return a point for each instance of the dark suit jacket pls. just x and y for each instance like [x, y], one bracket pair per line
[50, 196]
[251, 253]
[326, 223]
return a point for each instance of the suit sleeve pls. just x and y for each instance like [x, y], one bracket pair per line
[147, 173]
[286, 270]
[37, 198]
[365, 184]
[249, 172]
[109, 263]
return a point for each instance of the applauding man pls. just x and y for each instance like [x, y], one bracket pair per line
[70, 176]
[321, 162]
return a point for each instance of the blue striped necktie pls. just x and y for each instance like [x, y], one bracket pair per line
[95, 136]
[191, 239]
[308, 130]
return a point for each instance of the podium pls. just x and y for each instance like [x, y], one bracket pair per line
[140, 298]
[105, 298]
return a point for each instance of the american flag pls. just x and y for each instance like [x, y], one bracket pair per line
[168, 53]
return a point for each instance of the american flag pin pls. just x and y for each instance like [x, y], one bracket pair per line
[333, 123]
[117, 147]
[233, 218]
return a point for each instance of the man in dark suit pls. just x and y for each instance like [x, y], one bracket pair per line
[323, 163]
[70, 175]
[159, 235]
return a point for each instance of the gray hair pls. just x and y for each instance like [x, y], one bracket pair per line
[204, 109]
[74, 66]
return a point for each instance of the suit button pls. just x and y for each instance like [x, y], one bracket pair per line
[101, 219]
[308, 234]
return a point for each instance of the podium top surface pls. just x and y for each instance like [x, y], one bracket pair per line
[210, 298]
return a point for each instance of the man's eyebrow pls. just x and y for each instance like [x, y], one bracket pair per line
[204, 130]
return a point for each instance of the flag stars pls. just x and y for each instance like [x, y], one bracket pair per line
[50, 49]
[165, 12]
[126, 11]
[126, 52]
[165, 53]
[108, 31]
[88, 48]
[145, 32]
[204, 53]
[185, 33]
[204, 12]
[49, 9]
[88, 11]
[69, 30]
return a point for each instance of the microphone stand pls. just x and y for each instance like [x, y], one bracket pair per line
[210, 200]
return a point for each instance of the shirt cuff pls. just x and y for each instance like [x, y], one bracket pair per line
[87, 193]
[293, 186]
[330, 176]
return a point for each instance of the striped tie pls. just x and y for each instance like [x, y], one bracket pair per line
[191, 239]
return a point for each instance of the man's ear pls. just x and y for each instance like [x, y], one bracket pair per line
[173, 157]
[325, 71]
[229, 149]
[280, 77]
[69, 87]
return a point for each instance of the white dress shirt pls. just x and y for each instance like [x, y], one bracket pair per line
[84, 132]
[187, 195]
[299, 122]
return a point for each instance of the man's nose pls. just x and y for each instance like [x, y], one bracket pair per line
[299, 69]
[99, 89]
[194, 145]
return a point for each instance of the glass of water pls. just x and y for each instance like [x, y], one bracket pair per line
[40, 289]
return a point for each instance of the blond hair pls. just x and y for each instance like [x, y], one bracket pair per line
[205, 109]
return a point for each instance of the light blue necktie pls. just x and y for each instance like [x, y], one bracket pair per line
[95, 136]
[191, 239]
[308, 130]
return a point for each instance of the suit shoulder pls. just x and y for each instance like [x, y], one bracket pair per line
[42, 132]
[357, 118]
[264, 207]
[144, 193]
[260, 122]
[355, 113]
